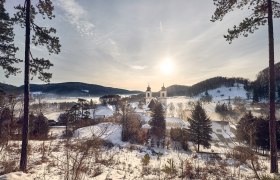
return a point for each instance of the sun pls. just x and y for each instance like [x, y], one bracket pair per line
[167, 66]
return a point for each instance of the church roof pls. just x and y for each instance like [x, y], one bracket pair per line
[148, 88]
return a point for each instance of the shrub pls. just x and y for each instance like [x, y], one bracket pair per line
[40, 126]
[146, 160]
[170, 168]
[189, 170]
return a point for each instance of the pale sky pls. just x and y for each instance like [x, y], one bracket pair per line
[130, 43]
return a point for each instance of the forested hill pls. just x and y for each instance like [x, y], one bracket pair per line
[261, 84]
[69, 89]
[212, 83]
[262, 76]
[8, 88]
[177, 90]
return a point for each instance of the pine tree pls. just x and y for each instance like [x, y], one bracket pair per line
[255, 96]
[7, 47]
[262, 133]
[261, 12]
[246, 128]
[158, 124]
[25, 17]
[200, 127]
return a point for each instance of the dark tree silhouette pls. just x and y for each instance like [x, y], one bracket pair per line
[40, 126]
[200, 127]
[262, 13]
[246, 128]
[42, 36]
[158, 124]
[7, 47]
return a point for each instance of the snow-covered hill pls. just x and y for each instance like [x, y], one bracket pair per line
[224, 93]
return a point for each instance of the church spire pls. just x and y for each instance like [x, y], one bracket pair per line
[163, 88]
[148, 88]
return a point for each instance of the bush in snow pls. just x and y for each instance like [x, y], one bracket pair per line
[40, 126]
[5, 116]
[189, 172]
[146, 160]
[170, 168]
[245, 156]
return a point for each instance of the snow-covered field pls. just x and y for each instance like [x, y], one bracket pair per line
[126, 159]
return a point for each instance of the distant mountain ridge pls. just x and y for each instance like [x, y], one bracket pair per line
[84, 89]
[68, 89]
[8, 88]
[259, 87]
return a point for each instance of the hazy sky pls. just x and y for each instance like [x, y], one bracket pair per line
[130, 43]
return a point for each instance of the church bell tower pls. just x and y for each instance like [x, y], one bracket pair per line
[163, 95]
[148, 95]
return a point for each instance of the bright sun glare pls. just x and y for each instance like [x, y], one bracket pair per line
[167, 66]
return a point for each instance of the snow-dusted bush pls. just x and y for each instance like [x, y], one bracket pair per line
[170, 168]
[146, 160]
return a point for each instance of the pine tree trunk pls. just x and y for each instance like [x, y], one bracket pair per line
[25, 124]
[272, 119]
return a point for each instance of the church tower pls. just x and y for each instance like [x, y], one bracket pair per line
[163, 95]
[148, 95]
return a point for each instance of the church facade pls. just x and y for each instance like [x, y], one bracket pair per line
[162, 98]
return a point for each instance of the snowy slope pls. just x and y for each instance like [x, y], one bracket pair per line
[102, 111]
[221, 128]
[16, 176]
[106, 131]
[223, 92]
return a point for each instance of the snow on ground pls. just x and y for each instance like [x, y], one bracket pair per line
[103, 111]
[127, 161]
[173, 122]
[56, 131]
[221, 130]
[54, 115]
[16, 176]
[178, 99]
[223, 92]
[69, 99]
[106, 131]
[145, 118]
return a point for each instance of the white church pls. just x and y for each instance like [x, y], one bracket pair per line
[162, 95]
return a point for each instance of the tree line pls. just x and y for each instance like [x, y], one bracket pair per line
[254, 132]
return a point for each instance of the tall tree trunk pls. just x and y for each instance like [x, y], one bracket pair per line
[25, 124]
[272, 119]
